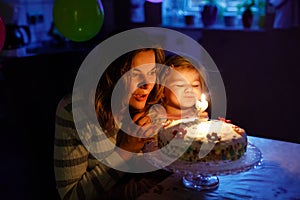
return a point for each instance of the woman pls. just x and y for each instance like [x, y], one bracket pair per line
[78, 174]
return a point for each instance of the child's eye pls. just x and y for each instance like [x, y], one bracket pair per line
[179, 85]
[195, 85]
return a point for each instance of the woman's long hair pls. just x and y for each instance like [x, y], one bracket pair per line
[108, 81]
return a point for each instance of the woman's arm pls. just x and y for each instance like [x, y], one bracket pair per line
[78, 175]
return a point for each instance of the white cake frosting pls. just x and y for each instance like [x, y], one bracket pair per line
[194, 140]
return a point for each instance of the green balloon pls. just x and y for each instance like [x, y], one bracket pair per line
[78, 20]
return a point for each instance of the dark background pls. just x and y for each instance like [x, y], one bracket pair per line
[260, 70]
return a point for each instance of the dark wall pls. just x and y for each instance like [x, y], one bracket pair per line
[260, 71]
[30, 90]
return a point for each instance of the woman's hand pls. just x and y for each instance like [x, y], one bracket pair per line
[137, 133]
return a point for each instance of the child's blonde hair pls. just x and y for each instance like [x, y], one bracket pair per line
[178, 62]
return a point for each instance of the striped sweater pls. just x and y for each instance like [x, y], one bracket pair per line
[79, 175]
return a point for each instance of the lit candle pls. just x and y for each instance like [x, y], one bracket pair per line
[203, 104]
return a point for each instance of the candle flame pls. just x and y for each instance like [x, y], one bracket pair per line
[203, 97]
[203, 104]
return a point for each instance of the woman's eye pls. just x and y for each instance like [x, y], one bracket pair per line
[179, 85]
[134, 74]
[152, 73]
[195, 85]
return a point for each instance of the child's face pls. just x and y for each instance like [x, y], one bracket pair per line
[182, 88]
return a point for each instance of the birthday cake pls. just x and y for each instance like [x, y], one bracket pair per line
[202, 141]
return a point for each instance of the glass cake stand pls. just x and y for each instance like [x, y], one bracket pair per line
[204, 175]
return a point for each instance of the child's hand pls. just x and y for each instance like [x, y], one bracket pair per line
[224, 120]
[235, 128]
[238, 130]
[203, 115]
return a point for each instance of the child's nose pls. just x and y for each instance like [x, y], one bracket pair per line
[188, 88]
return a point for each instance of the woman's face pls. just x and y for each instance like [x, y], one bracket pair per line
[182, 89]
[142, 78]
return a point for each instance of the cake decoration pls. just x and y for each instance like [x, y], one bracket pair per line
[211, 140]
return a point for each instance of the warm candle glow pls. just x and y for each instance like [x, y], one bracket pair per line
[203, 104]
